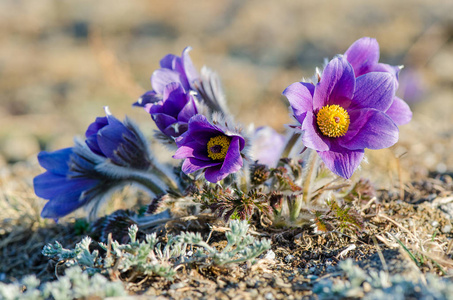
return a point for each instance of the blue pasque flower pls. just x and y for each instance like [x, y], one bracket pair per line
[114, 154]
[363, 55]
[173, 112]
[173, 69]
[342, 115]
[212, 148]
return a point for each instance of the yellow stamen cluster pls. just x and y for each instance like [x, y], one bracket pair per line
[333, 120]
[218, 147]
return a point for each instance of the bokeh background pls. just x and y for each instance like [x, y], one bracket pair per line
[61, 62]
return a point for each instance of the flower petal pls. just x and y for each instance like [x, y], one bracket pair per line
[163, 121]
[188, 111]
[49, 185]
[311, 137]
[233, 159]
[371, 129]
[336, 85]
[191, 149]
[189, 69]
[57, 161]
[192, 164]
[201, 130]
[174, 99]
[169, 61]
[362, 55]
[162, 77]
[61, 206]
[112, 136]
[342, 163]
[374, 90]
[399, 112]
[300, 97]
[148, 97]
[214, 175]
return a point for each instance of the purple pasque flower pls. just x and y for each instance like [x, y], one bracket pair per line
[173, 112]
[70, 181]
[114, 154]
[267, 146]
[209, 147]
[342, 115]
[173, 68]
[122, 143]
[363, 55]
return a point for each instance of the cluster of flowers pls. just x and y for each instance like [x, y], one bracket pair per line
[349, 106]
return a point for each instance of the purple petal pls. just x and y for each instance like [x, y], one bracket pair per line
[369, 128]
[94, 127]
[393, 70]
[214, 175]
[311, 136]
[148, 97]
[61, 206]
[188, 111]
[336, 85]
[57, 161]
[191, 149]
[189, 69]
[267, 146]
[374, 90]
[162, 77]
[163, 121]
[363, 55]
[192, 164]
[49, 185]
[112, 136]
[168, 61]
[342, 163]
[300, 97]
[174, 99]
[233, 158]
[201, 130]
[399, 112]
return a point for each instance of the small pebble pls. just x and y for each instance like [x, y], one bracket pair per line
[270, 255]
[176, 286]
[446, 229]
[269, 296]
[289, 258]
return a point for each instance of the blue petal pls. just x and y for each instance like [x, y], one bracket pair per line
[56, 162]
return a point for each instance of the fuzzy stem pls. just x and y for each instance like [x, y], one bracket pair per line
[167, 179]
[294, 207]
[290, 144]
[309, 175]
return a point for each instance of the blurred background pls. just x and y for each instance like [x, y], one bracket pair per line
[61, 62]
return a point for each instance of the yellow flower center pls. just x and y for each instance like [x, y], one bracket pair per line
[333, 120]
[218, 147]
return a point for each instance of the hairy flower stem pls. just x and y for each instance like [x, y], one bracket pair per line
[294, 205]
[290, 144]
[309, 176]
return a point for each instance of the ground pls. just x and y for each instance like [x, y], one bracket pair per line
[61, 63]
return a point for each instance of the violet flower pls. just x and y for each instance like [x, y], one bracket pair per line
[363, 55]
[173, 69]
[209, 147]
[114, 154]
[341, 115]
[173, 112]
[267, 146]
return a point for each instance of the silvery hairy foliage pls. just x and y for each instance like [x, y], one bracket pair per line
[151, 257]
[74, 285]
